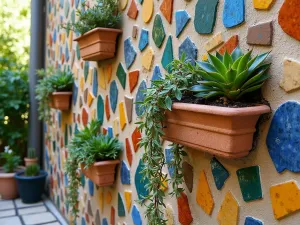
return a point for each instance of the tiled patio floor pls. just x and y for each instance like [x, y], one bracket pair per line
[15, 212]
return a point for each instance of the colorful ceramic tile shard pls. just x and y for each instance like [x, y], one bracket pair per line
[129, 106]
[104, 221]
[147, 10]
[182, 18]
[108, 197]
[168, 56]
[110, 132]
[108, 72]
[285, 199]
[128, 151]
[189, 49]
[156, 73]
[214, 42]
[204, 197]
[135, 214]
[158, 31]
[219, 172]
[169, 215]
[249, 180]
[95, 82]
[229, 211]
[91, 187]
[112, 215]
[140, 96]
[233, 13]
[188, 175]
[135, 29]
[123, 4]
[136, 137]
[252, 221]
[97, 218]
[89, 208]
[122, 115]
[229, 45]
[133, 10]
[86, 70]
[107, 111]
[127, 196]
[283, 137]
[102, 78]
[184, 211]
[129, 53]
[289, 18]
[116, 127]
[169, 158]
[291, 75]
[100, 109]
[90, 99]
[166, 8]
[144, 39]
[205, 16]
[125, 173]
[147, 58]
[133, 79]
[263, 4]
[121, 208]
[140, 182]
[113, 95]
[121, 74]
[260, 34]
[75, 93]
[85, 117]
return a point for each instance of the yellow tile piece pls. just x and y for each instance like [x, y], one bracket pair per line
[56, 49]
[101, 199]
[90, 99]
[101, 78]
[63, 37]
[108, 72]
[169, 215]
[214, 42]
[108, 197]
[122, 115]
[116, 127]
[285, 199]
[204, 197]
[263, 4]
[147, 58]
[204, 57]
[165, 187]
[90, 76]
[81, 84]
[75, 71]
[70, 40]
[123, 4]
[93, 114]
[147, 10]
[229, 211]
[127, 195]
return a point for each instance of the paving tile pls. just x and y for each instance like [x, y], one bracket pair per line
[20, 204]
[6, 204]
[30, 210]
[6, 213]
[38, 218]
[11, 221]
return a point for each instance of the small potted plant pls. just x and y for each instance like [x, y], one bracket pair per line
[98, 29]
[54, 90]
[97, 155]
[8, 185]
[31, 157]
[31, 183]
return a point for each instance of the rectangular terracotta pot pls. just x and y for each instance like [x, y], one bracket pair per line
[102, 173]
[98, 44]
[61, 100]
[221, 131]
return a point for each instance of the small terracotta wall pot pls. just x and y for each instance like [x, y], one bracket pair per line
[221, 131]
[29, 161]
[98, 44]
[61, 100]
[102, 173]
[8, 186]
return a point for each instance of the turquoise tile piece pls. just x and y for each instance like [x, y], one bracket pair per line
[144, 39]
[233, 13]
[73, 16]
[169, 158]
[86, 69]
[125, 173]
[249, 180]
[110, 132]
[91, 187]
[75, 93]
[95, 82]
[121, 74]
[205, 16]
[189, 49]
[82, 180]
[100, 109]
[168, 56]
[182, 18]
[121, 208]
[140, 182]
[219, 172]
[252, 221]
[113, 95]
[158, 31]
[77, 51]
[140, 96]
[136, 217]
[129, 53]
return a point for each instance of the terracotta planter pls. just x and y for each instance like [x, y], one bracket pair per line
[221, 131]
[29, 161]
[61, 100]
[98, 44]
[8, 185]
[50, 101]
[102, 173]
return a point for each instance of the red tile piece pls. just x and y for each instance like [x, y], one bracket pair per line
[184, 211]
[128, 151]
[87, 218]
[289, 18]
[104, 131]
[166, 8]
[112, 216]
[133, 79]
[133, 10]
[85, 117]
[136, 136]
[229, 45]
[107, 112]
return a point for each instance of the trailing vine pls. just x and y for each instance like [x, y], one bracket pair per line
[159, 98]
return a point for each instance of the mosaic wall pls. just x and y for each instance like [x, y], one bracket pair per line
[259, 189]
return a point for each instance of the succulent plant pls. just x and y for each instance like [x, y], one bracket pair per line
[231, 76]
[31, 153]
[32, 170]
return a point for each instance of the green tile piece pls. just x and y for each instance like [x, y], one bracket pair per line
[100, 109]
[121, 208]
[205, 16]
[86, 70]
[67, 8]
[158, 31]
[73, 16]
[168, 55]
[77, 51]
[249, 180]
[66, 135]
[121, 74]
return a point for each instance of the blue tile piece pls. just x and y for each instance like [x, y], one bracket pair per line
[182, 18]
[76, 130]
[140, 182]
[283, 139]
[129, 53]
[47, 158]
[125, 173]
[75, 93]
[140, 98]
[252, 221]
[59, 118]
[95, 82]
[104, 221]
[189, 49]
[121, 208]
[219, 172]
[168, 56]
[77, 3]
[61, 3]
[233, 13]
[91, 187]
[110, 132]
[156, 73]
[113, 95]
[144, 39]
[100, 109]
[136, 217]
[169, 157]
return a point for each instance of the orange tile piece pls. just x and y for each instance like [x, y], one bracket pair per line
[108, 197]
[229, 45]
[85, 117]
[136, 136]
[166, 8]
[184, 211]
[128, 151]
[133, 10]
[107, 112]
[204, 197]
[104, 131]
[112, 216]
[122, 115]
[133, 79]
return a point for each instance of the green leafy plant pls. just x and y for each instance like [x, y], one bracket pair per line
[231, 76]
[31, 154]
[11, 160]
[51, 81]
[32, 170]
[87, 147]
[104, 13]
